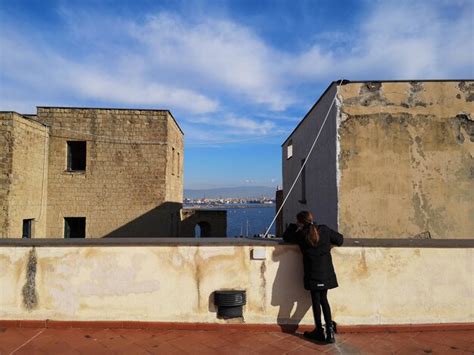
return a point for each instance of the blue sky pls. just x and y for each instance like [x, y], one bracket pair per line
[237, 75]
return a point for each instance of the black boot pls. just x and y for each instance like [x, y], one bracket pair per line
[330, 334]
[317, 334]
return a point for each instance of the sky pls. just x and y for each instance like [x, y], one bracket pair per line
[237, 75]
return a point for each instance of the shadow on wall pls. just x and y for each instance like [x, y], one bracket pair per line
[162, 221]
[294, 301]
[210, 223]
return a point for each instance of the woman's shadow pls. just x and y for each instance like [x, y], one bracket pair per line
[288, 290]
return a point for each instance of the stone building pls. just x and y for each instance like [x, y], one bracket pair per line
[84, 172]
[395, 159]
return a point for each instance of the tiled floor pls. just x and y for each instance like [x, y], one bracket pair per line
[127, 341]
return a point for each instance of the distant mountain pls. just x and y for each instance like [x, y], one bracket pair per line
[232, 192]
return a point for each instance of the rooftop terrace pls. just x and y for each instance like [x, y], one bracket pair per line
[152, 341]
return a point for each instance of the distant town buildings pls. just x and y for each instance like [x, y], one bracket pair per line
[86, 172]
[394, 160]
[229, 202]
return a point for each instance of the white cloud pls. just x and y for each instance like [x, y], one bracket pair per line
[132, 91]
[216, 131]
[205, 66]
[41, 69]
[410, 40]
[227, 56]
[248, 126]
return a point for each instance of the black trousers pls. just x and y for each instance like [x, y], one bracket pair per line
[320, 301]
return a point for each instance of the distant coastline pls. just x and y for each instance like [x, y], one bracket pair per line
[228, 205]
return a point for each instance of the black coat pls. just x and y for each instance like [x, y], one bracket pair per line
[317, 261]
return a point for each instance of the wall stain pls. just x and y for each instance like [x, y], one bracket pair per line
[414, 99]
[30, 297]
[263, 286]
[418, 206]
[468, 90]
[465, 122]
[362, 270]
[197, 276]
[369, 94]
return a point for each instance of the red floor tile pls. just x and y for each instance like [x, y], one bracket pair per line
[136, 341]
[12, 338]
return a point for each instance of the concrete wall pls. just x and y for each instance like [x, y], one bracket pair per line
[321, 182]
[24, 175]
[174, 283]
[406, 159]
[128, 188]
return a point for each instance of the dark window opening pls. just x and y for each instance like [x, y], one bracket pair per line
[76, 155]
[179, 165]
[202, 230]
[172, 161]
[27, 230]
[74, 227]
[303, 182]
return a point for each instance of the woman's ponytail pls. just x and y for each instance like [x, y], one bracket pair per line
[313, 235]
[309, 228]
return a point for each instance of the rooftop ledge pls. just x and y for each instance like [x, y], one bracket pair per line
[348, 242]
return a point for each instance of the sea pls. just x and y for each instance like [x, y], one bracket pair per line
[247, 219]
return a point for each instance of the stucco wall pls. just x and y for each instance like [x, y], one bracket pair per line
[175, 283]
[26, 171]
[406, 159]
[123, 190]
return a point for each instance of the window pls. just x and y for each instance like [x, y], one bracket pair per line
[27, 228]
[76, 155]
[289, 149]
[172, 161]
[179, 164]
[74, 227]
[303, 183]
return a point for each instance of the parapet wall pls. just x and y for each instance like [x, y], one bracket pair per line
[173, 281]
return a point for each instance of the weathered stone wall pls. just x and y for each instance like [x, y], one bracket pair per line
[123, 190]
[406, 159]
[6, 154]
[175, 162]
[26, 174]
[176, 284]
[174, 174]
[213, 223]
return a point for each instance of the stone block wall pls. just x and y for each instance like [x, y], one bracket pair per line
[175, 161]
[122, 192]
[24, 175]
[6, 154]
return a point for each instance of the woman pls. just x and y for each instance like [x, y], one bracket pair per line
[315, 242]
